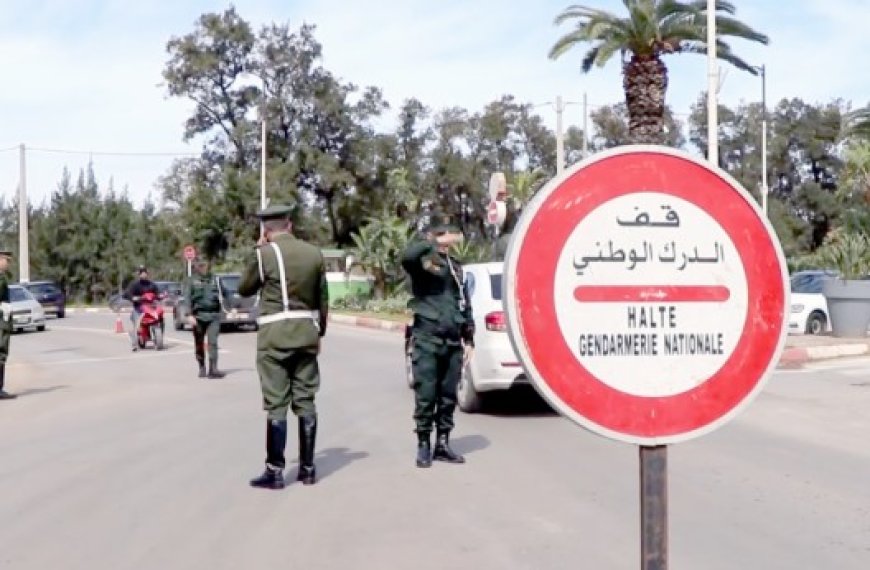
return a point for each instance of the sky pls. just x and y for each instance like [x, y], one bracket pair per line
[84, 76]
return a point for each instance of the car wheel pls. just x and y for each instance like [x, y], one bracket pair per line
[816, 323]
[61, 314]
[469, 399]
[40, 328]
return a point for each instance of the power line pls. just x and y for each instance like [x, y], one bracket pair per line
[108, 153]
[8, 149]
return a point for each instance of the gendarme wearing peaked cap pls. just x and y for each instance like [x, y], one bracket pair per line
[275, 212]
[5, 251]
[442, 223]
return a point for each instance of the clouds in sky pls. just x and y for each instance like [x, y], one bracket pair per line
[86, 75]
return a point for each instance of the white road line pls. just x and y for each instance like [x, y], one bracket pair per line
[125, 336]
[109, 358]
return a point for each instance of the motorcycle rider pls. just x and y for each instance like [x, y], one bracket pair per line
[134, 294]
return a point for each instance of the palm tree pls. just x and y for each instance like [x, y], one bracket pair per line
[857, 123]
[652, 29]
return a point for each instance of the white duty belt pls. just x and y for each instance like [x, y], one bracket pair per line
[6, 310]
[287, 313]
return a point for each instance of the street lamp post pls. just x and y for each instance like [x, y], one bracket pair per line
[764, 187]
[712, 86]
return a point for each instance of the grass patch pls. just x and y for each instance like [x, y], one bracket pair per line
[393, 317]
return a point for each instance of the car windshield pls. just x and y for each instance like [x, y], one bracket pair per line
[43, 289]
[18, 294]
[230, 283]
[808, 282]
[495, 282]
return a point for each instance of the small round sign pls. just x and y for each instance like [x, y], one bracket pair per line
[496, 212]
[189, 253]
[646, 295]
[497, 186]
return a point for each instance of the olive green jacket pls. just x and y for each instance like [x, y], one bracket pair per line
[306, 290]
[440, 302]
[202, 294]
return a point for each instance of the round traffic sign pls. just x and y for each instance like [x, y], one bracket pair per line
[497, 186]
[646, 295]
[496, 212]
[189, 253]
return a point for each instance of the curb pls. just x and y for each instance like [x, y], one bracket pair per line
[367, 322]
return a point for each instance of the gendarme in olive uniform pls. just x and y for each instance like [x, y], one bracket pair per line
[203, 298]
[290, 276]
[5, 320]
[443, 327]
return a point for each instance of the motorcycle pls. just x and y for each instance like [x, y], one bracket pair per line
[151, 325]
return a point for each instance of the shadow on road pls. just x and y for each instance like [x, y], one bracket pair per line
[335, 459]
[37, 391]
[521, 401]
[468, 444]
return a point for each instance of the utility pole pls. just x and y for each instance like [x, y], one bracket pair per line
[263, 152]
[585, 123]
[712, 86]
[23, 228]
[560, 141]
[764, 187]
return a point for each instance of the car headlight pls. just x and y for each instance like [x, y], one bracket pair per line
[797, 308]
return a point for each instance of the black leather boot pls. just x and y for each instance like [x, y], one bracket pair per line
[213, 371]
[3, 394]
[201, 362]
[276, 441]
[443, 451]
[424, 450]
[307, 437]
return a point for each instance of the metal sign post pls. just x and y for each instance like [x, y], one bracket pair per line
[654, 507]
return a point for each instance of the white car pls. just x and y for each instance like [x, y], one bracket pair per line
[495, 365]
[27, 313]
[809, 308]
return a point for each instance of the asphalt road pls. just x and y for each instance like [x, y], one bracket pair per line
[115, 460]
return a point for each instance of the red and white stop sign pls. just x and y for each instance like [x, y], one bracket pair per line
[496, 212]
[189, 253]
[646, 295]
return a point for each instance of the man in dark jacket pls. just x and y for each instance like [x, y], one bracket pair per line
[5, 320]
[443, 336]
[203, 298]
[134, 294]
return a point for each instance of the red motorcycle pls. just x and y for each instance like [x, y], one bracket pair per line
[151, 324]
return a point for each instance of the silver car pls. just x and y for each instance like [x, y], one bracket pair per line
[27, 313]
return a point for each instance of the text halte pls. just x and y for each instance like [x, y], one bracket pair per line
[652, 344]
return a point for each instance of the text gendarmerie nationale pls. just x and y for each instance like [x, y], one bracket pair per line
[652, 332]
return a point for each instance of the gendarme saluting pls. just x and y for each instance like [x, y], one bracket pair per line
[290, 276]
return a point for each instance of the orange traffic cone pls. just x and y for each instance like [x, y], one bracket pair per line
[119, 326]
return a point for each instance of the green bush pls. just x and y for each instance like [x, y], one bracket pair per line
[396, 304]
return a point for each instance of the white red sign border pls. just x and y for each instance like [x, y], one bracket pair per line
[513, 317]
[192, 250]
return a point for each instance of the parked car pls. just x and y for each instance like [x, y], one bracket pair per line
[169, 291]
[495, 365]
[27, 313]
[236, 311]
[809, 308]
[49, 295]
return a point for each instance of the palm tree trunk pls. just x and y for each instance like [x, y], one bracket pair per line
[645, 81]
